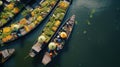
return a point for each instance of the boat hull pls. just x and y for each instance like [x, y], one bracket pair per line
[33, 52]
[21, 5]
[20, 34]
[6, 54]
[59, 41]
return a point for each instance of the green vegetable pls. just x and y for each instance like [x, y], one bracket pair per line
[9, 14]
[46, 3]
[3, 21]
[59, 16]
[25, 13]
[59, 10]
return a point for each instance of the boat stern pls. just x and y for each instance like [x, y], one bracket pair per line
[46, 58]
[11, 51]
[35, 50]
[6, 54]
[73, 18]
[32, 54]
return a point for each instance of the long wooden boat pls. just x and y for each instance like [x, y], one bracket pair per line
[50, 28]
[29, 22]
[1, 5]
[58, 41]
[10, 10]
[6, 54]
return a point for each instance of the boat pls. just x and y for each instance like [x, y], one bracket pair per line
[1, 5]
[29, 22]
[50, 28]
[58, 41]
[6, 54]
[10, 9]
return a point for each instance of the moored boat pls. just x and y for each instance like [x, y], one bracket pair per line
[6, 54]
[29, 22]
[50, 28]
[58, 41]
[1, 5]
[10, 9]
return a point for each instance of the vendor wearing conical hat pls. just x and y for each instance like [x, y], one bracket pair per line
[41, 39]
[52, 46]
[63, 35]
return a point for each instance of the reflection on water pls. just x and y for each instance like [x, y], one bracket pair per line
[94, 4]
[98, 5]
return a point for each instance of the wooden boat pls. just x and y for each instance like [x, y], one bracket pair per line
[1, 5]
[10, 9]
[50, 28]
[58, 41]
[6, 54]
[29, 22]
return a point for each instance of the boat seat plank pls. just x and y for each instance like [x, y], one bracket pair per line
[36, 47]
[5, 53]
[46, 59]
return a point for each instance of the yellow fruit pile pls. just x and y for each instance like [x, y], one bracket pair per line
[54, 28]
[10, 6]
[52, 3]
[63, 4]
[6, 29]
[26, 28]
[39, 18]
[36, 22]
[57, 23]
[23, 21]
[33, 13]
[16, 10]
[7, 38]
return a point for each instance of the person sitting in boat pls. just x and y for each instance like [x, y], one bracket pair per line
[63, 35]
[59, 46]
[67, 27]
[53, 48]
[58, 39]
[42, 39]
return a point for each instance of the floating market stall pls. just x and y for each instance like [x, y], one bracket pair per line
[28, 22]
[50, 28]
[56, 44]
[10, 9]
[95, 40]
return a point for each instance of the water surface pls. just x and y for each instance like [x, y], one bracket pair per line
[95, 41]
